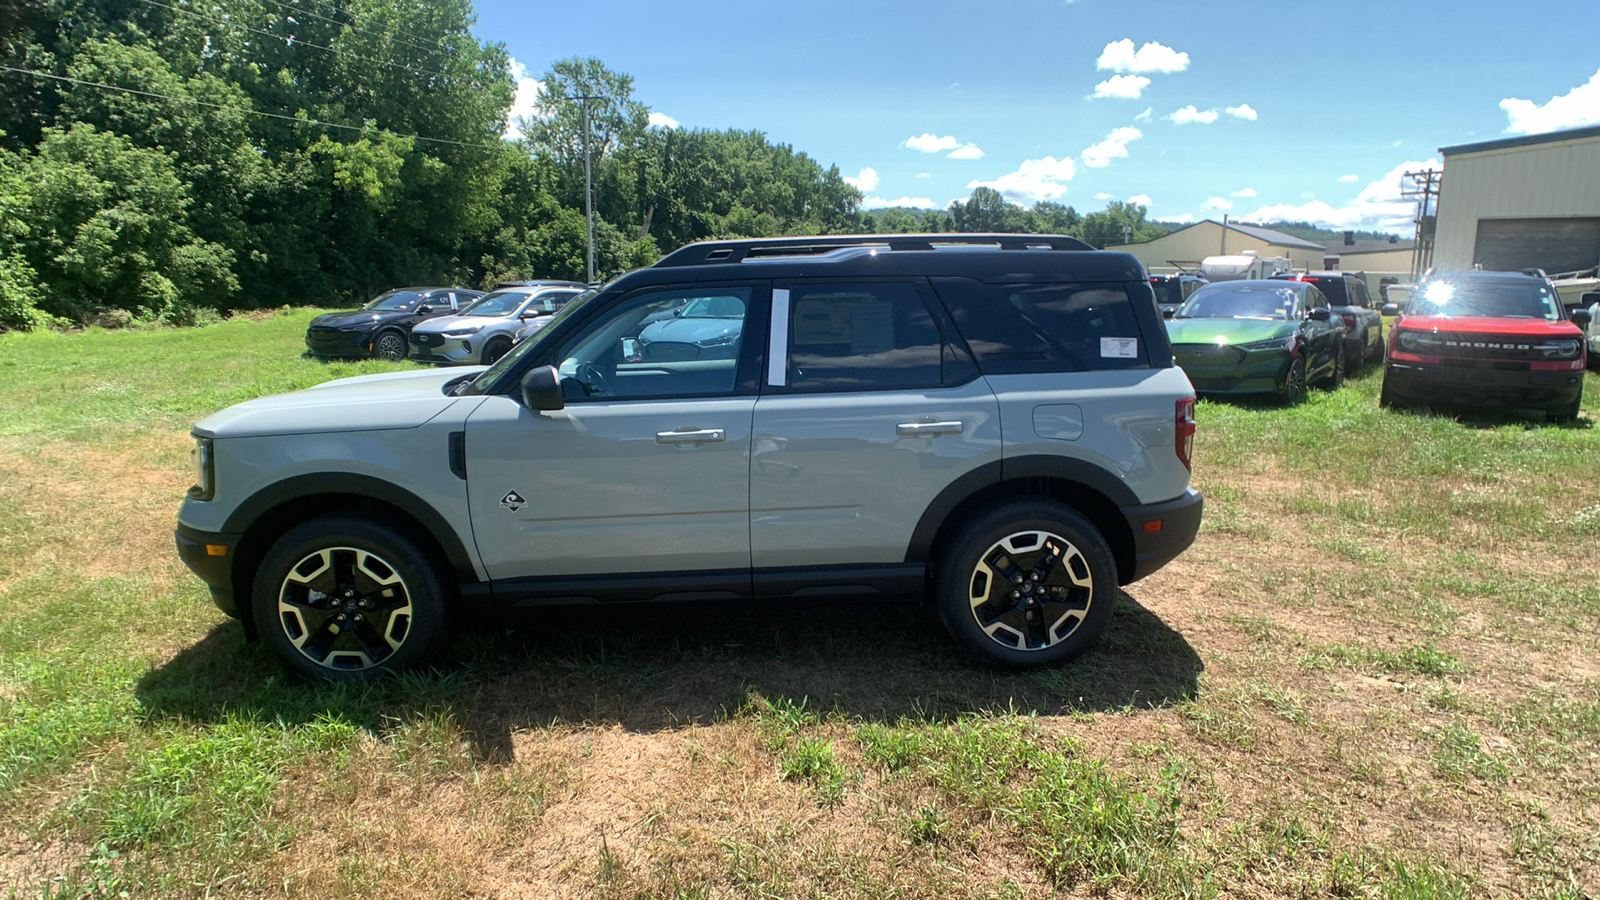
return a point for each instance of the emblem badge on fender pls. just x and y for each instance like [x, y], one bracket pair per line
[512, 501]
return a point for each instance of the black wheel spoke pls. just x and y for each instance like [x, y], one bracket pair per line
[321, 641]
[373, 643]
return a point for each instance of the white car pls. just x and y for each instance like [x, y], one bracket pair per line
[484, 331]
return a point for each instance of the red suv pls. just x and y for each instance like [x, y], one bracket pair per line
[1487, 339]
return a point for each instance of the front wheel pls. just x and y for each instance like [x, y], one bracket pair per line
[495, 349]
[1029, 582]
[390, 345]
[343, 597]
[1294, 381]
[1335, 379]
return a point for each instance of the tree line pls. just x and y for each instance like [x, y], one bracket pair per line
[174, 159]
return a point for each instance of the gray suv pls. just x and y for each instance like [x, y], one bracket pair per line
[991, 422]
[484, 331]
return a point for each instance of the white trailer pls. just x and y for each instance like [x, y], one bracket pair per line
[1236, 267]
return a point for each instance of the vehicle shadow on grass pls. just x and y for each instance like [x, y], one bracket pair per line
[660, 669]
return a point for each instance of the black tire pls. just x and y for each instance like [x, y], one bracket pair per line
[1387, 400]
[1375, 352]
[1293, 389]
[496, 348]
[1335, 379]
[345, 597]
[1568, 413]
[390, 345]
[1056, 553]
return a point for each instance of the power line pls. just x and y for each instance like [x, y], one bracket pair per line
[242, 109]
[290, 41]
[345, 24]
[348, 14]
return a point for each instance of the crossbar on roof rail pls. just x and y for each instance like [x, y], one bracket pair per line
[733, 251]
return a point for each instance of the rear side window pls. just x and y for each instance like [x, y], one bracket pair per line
[1018, 328]
[1334, 289]
[859, 336]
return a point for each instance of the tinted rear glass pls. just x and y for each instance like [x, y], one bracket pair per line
[1046, 327]
[1168, 290]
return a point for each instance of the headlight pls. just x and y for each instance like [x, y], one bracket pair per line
[1278, 343]
[205, 470]
[463, 331]
[1420, 341]
[722, 341]
[1559, 349]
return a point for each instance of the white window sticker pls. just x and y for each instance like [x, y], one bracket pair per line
[1119, 348]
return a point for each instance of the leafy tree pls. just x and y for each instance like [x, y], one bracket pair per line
[1104, 228]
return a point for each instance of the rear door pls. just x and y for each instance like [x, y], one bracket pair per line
[869, 409]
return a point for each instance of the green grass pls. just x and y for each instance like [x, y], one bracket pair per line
[1373, 676]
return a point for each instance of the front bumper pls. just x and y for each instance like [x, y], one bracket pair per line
[449, 351]
[1480, 383]
[338, 343]
[1230, 369]
[209, 556]
[1177, 523]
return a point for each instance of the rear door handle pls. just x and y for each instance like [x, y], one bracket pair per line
[927, 429]
[692, 436]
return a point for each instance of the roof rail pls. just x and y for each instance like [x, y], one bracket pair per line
[1536, 273]
[732, 251]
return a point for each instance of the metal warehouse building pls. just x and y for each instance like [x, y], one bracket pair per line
[1522, 202]
[1184, 248]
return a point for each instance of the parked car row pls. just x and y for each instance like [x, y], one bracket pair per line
[1478, 339]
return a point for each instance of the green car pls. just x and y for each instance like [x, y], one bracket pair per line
[1258, 337]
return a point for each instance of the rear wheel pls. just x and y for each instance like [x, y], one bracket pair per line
[344, 597]
[389, 345]
[1028, 582]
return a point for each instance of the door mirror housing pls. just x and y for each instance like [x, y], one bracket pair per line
[1580, 318]
[541, 389]
[1319, 314]
[1390, 309]
[424, 309]
[1167, 313]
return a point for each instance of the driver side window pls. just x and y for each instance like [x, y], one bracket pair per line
[681, 343]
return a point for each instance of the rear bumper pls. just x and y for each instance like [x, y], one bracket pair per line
[1179, 522]
[1478, 382]
[198, 549]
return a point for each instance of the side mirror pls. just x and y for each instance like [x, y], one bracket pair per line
[1390, 309]
[1168, 312]
[424, 309]
[1320, 314]
[541, 389]
[1580, 318]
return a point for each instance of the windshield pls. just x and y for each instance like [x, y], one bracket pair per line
[713, 308]
[497, 303]
[398, 300]
[1239, 301]
[492, 374]
[1527, 300]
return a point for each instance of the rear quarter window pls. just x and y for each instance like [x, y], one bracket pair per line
[1020, 328]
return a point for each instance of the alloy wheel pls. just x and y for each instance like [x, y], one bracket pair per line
[344, 609]
[1030, 590]
[389, 346]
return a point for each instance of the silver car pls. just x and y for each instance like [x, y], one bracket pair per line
[484, 331]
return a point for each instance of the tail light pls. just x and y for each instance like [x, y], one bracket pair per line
[1349, 320]
[1183, 432]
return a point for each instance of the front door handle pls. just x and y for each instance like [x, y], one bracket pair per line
[692, 436]
[927, 429]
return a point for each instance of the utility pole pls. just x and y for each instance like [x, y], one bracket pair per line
[588, 187]
[1425, 190]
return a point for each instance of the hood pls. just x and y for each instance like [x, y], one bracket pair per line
[359, 318]
[1231, 331]
[363, 403]
[450, 323]
[690, 331]
[1534, 328]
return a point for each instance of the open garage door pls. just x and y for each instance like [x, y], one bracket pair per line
[1554, 245]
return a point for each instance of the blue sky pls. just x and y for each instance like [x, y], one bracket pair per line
[1262, 110]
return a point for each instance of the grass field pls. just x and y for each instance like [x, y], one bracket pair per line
[1376, 674]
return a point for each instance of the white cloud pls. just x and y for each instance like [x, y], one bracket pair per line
[1140, 199]
[1105, 196]
[1122, 87]
[1217, 203]
[914, 202]
[1034, 180]
[924, 175]
[662, 120]
[1242, 111]
[928, 142]
[1190, 114]
[1145, 116]
[1243, 192]
[865, 180]
[1349, 179]
[1185, 219]
[1119, 56]
[1574, 109]
[1115, 146]
[528, 89]
[1378, 206]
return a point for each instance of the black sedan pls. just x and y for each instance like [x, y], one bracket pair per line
[382, 328]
